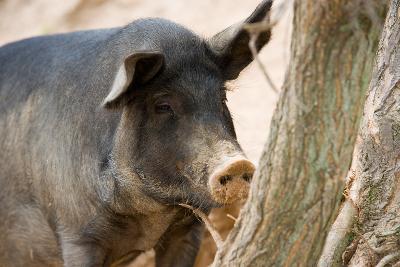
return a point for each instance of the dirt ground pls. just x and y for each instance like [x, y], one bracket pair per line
[251, 102]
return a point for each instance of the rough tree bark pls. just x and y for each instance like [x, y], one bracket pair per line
[298, 187]
[367, 230]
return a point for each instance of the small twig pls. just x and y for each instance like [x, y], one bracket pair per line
[253, 49]
[214, 233]
[231, 217]
[254, 30]
[258, 27]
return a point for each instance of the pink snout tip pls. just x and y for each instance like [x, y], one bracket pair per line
[231, 180]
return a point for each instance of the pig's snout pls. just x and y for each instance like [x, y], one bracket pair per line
[230, 182]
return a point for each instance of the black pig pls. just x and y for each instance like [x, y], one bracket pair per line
[104, 132]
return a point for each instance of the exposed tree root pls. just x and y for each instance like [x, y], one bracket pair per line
[388, 259]
[338, 234]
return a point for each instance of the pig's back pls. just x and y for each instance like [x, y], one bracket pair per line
[54, 63]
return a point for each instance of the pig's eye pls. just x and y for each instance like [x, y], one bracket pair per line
[164, 107]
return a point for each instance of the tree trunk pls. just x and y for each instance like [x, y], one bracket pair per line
[367, 230]
[298, 187]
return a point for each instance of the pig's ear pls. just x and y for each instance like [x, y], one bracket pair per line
[137, 68]
[231, 46]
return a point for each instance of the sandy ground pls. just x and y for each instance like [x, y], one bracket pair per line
[251, 102]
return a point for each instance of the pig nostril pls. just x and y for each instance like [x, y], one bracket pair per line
[224, 179]
[247, 177]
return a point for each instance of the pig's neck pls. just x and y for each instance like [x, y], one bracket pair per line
[121, 191]
[140, 233]
[144, 219]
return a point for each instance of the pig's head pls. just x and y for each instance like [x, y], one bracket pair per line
[176, 133]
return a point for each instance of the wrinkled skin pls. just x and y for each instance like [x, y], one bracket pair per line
[104, 132]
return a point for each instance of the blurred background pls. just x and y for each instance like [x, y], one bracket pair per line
[251, 100]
